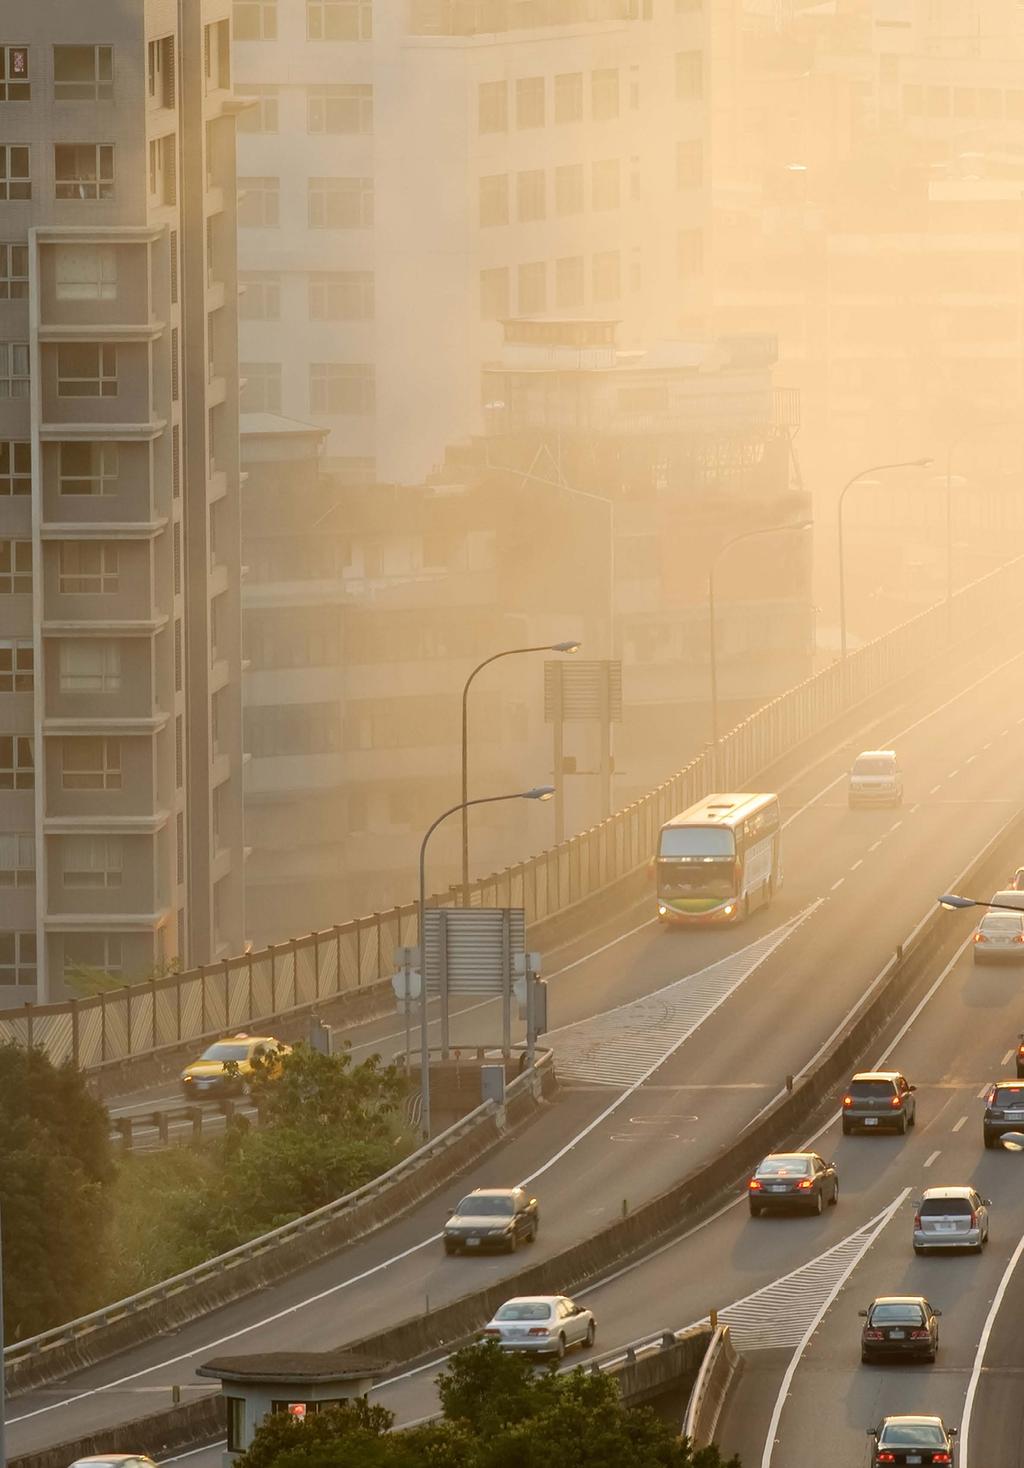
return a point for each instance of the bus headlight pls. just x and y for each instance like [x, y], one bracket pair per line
[729, 909]
[662, 909]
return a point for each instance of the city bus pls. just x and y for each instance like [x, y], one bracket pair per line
[719, 860]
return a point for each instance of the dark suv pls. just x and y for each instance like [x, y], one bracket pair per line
[879, 1098]
[1004, 1110]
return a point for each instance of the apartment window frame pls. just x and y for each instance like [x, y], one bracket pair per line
[330, 197]
[104, 677]
[531, 102]
[107, 955]
[81, 379]
[15, 172]
[17, 665]
[531, 195]
[18, 957]
[15, 567]
[606, 184]
[531, 300]
[14, 370]
[264, 113]
[15, 467]
[568, 99]
[92, 862]
[495, 288]
[17, 859]
[262, 289]
[606, 275]
[259, 23]
[17, 762]
[88, 568]
[88, 171]
[492, 107]
[689, 76]
[339, 109]
[339, 20]
[73, 282]
[264, 189]
[605, 98]
[97, 88]
[570, 189]
[15, 74]
[342, 389]
[493, 208]
[262, 390]
[566, 299]
[100, 766]
[13, 271]
[342, 295]
[96, 476]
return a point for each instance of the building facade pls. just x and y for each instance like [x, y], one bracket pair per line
[417, 170]
[120, 794]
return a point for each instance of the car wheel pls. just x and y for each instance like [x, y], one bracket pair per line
[918, 1249]
[817, 1205]
[835, 1194]
[990, 1140]
[534, 1230]
[930, 1357]
[450, 1248]
[591, 1333]
[913, 1117]
[560, 1348]
[1020, 1072]
[755, 1210]
[847, 1128]
[864, 1358]
[513, 1243]
[901, 1125]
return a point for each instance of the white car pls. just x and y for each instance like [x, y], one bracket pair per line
[1000, 937]
[545, 1324]
[876, 778]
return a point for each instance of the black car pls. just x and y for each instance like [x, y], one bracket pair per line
[1004, 1110]
[793, 1180]
[899, 1325]
[492, 1218]
[900, 1440]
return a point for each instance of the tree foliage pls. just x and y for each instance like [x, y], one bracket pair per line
[498, 1412]
[55, 1170]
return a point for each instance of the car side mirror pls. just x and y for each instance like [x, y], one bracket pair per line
[533, 1202]
[872, 1432]
[936, 1313]
[911, 1088]
[863, 1313]
[449, 1213]
[987, 1202]
[953, 1431]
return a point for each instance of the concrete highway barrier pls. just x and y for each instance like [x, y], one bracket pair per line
[717, 1375]
[157, 1434]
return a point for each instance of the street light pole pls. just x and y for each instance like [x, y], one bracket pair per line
[874, 469]
[712, 649]
[539, 792]
[567, 647]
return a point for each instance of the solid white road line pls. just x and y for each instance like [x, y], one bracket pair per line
[960, 1123]
[787, 1380]
[932, 1158]
[979, 1355]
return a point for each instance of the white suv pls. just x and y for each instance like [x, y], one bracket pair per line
[876, 778]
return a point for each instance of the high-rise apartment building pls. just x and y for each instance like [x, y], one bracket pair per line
[120, 709]
[414, 171]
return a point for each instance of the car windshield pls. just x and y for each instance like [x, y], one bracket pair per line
[524, 1310]
[223, 1051]
[896, 1315]
[912, 1435]
[697, 841]
[945, 1207]
[1001, 922]
[784, 1167]
[874, 767]
[1009, 1096]
[871, 1090]
[486, 1205]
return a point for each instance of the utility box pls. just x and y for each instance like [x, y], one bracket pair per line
[320, 1036]
[492, 1083]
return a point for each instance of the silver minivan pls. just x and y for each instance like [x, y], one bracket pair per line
[951, 1218]
[876, 778]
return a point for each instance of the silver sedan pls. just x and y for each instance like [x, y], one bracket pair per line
[548, 1325]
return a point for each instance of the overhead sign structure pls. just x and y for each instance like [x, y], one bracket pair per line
[472, 950]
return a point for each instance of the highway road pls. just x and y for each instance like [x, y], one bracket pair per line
[857, 881]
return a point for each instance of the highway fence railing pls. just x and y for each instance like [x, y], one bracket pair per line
[239, 992]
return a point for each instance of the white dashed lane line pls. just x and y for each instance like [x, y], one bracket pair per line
[962, 1122]
[836, 885]
[970, 759]
[895, 826]
[952, 774]
[858, 863]
[983, 1092]
[1007, 1058]
[874, 846]
[915, 807]
[935, 790]
[932, 1158]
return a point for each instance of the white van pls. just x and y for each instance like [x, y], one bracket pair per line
[876, 778]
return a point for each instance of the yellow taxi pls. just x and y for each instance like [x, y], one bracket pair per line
[210, 1074]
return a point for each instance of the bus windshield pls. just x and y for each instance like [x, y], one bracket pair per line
[697, 861]
[698, 841]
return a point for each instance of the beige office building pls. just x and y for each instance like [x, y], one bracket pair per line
[416, 170]
[120, 749]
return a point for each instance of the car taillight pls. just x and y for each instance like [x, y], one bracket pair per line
[896, 1101]
[917, 1220]
[974, 1219]
[920, 1335]
[847, 1100]
[886, 1458]
[1019, 938]
[806, 1182]
[1020, 1049]
[539, 1330]
[755, 1185]
[873, 1335]
[980, 938]
[941, 1458]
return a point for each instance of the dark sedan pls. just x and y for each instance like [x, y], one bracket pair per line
[899, 1325]
[793, 1180]
[911, 1440]
[492, 1218]
[1004, 1110]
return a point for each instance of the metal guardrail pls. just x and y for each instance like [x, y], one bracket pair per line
[132, 1304]
[247, 990]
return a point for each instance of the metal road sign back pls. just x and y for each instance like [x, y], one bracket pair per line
[474, 947]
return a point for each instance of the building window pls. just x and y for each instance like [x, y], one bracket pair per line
[307, 728]
[493, 199]
[261, 392]
[690, 254]
[236, 1423]
[569, 283]
[88, 567]
[18, 958]
[531, 195]
[14, 369]
[689, 76]
[346, 295]
[259, 202]
[255, 20]
[86, 370]
[607, 276]
[604, 184]
[83, 73]
[180, 847]
[217, 55]
[17, 667]
[15, 182]
[101, 951]
[179, 657]
[176, 462]
[530, 101]
[176, 538]
[13, 272]
[88, 468]
[174, 364]
[262, 117]
[14, 80]
[84, 170]
[88, 666]
[92, 861]
[17, 859]
[162, 170]
[179, 755]
[340, 203]
[173, 253]
[494, 294]
[492, 107]
[261, 297]
[340, 108]
[17, 765]
[15, 466]
[569, 96]
[160, 71]
[604, 94]
[15, 566]
[85, 272]
[90, 764]
[342, 388]
[339, 20]
[690, 164]
[569, 188]
[533, 292]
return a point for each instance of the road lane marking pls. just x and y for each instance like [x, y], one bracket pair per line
[914, 807]
[986, 746]
[872, 1234]
[876, 844]
[895, 826]
[932, 1158]
[952, 774]
[979, 1355]
[984, 1091]
[970, 759]
[858, 863]
[836, 885]
[962, 1122]
[935, 789]
[1006, 1059]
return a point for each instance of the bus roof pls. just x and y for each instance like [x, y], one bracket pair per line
[721, 810]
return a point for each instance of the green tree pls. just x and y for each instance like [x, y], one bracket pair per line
[55, 1169]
